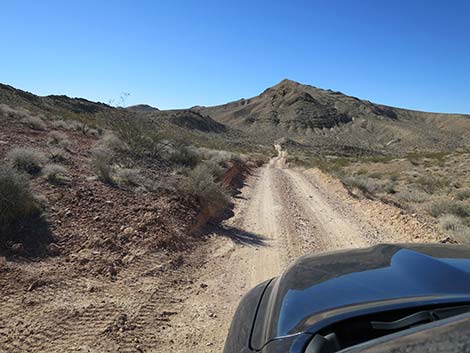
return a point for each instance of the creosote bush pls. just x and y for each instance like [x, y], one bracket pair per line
[185, 156]
[26, 160]
[200, 182]
[17, 201]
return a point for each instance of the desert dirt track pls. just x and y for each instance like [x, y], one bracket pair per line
[280, 215]
[165, 303]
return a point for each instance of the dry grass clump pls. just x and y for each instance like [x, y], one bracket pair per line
[60, 124]
[17, 201]
[114, 143]
[200, 182]
[55, 173]
[102, 163]
[57, 155]
[412, 195]
[26, 160]
[361, 183]
[34, 122]
[450, 222]
[59, 139]
[129, 176]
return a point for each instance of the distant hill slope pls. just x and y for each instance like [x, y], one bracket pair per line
[330, 121]
[75, 107]
[144, 108]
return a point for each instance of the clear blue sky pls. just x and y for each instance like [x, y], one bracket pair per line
[176, 54]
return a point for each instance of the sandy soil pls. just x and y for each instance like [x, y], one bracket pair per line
[281, 214]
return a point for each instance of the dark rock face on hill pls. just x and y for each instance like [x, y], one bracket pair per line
[294, 107]
[331, 122]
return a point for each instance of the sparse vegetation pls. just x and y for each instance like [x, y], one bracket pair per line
[412, 195]
[26, 160]
[457, 208]
[432, 184]
[17, 201]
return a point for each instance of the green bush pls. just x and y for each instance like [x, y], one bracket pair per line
[185, 156]
[17, 201]
[26, 160]
[200, 182]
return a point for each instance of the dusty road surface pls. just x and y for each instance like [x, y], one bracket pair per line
[281, 214]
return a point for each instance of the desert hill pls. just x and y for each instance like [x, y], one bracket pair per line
[333, 122]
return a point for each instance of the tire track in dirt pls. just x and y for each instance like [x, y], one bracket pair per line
[281, 214]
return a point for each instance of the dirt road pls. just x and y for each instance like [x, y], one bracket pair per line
[166, 302]
[281, 214]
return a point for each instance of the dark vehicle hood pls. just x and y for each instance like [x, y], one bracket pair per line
[317, 289]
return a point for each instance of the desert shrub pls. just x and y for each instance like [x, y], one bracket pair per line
[215, 168]
[450, 222]
[412, 195]
[431, 184]
[185, 156]
[60, 124]
[54, 173]
[128, 176]
[114, 143]
[17, 200]
[200, 182]
[57, 155]
[102, 163]
[361, 183]
[93, 132]
[58, 138]
[463, 194]
[34, 122]
[26, 159]
[456, 208]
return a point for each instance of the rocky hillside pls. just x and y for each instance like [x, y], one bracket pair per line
[332, 122]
